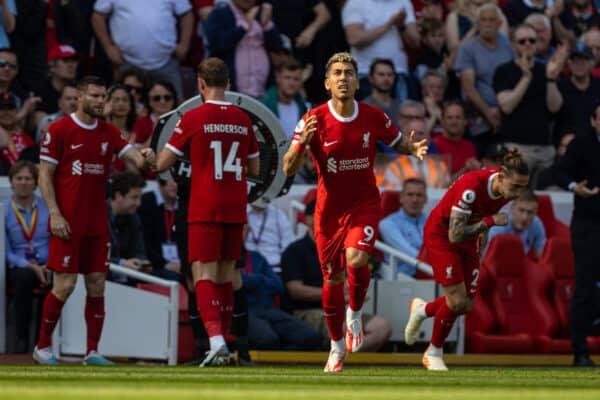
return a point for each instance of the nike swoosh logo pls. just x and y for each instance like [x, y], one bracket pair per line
[76, 146]
[327, 144]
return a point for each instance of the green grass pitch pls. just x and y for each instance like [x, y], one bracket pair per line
[281, 383]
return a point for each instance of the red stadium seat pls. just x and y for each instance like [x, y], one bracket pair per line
[553, 226]
[308, 197]
[186, 345]
[390, 202]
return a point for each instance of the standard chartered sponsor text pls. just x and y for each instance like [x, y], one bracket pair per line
[225, 128]
[353, 164]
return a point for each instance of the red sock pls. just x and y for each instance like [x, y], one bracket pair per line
[432, 307]
[442, 324]
[334, 309]
[208, 300]
[226, 292]
[50, 316]
[94, 319]
[358, 284]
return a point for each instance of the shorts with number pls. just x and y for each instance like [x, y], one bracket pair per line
[208, 241]
[79, 254]
[453, 264]
[359, 234]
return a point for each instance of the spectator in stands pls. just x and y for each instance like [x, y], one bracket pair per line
[120, 110]
[284, 98]
[381, 29]
[62, 68]
[135, 80]
[242, 34]
[433, 85]
[67, 104]
[26, 217]
[463, 156]
[523, 221]
[157, 213]
[517, 10]
[307, 174]
[493, 155]
[579, 172]
[160, 99]
[17, 139]
[9, 68]
[580, 16]
[412, 116]
[543, 30]
[476, 62]
[382, 78]
[545, 179]
[434, 53]
[304, 282]
[591, 39]
[526, 92]
[126, 236]
[270, 328]
[146, 36]
[403, 230]
[580, 92]
[269, 233]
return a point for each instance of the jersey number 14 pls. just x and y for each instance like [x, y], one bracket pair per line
[232, 163]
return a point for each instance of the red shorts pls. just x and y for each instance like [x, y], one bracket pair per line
[330, 246]
[453, 264]
[208, 241]
[79, 255]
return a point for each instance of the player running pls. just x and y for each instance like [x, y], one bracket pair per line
[342, 136]
[454, 233]
[223, 150]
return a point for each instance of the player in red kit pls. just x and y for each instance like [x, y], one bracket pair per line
[75, 159]
[454, 232]
[342, 134]
[223, 150]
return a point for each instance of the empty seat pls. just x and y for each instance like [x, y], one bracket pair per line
[552, 225]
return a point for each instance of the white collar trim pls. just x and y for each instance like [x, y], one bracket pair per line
[339, 117]
[221, 103]
[82, 124]
[489, 187]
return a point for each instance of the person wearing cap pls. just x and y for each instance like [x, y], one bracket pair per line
[18, 140]
[580, 92]
[62, 68]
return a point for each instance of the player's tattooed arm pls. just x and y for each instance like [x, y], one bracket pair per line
[459, 228]
[292, 160]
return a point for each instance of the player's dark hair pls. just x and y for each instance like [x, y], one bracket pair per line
[341, 57]
[123, 182]
[20, 165]
[214, 72]
[513, 163]
[528, 196]
[380, 61]
[88, 80]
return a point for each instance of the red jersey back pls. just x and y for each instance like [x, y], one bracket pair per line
[343, 150]
[221, 139]
[471, 194]
[82, 154]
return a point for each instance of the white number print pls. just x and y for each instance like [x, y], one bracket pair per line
[475, 278]
[232, 163]
[369, 234]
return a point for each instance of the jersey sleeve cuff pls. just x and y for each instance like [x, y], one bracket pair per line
[49, 159]
[174, 149]
[396, 140]
[124, 150]
[460, 210]
[254, 155]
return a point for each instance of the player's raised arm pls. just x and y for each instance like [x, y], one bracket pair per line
[460, 230]
[408, 145]
[292, 160]
[58, 224]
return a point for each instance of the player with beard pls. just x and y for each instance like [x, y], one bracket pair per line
[75, 158]
[342, 134]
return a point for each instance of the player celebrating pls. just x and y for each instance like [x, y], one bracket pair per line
[75, 159]
[454, 233]
[222, 146]
[342, 134]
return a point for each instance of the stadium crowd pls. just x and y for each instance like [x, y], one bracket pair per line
[468, 75]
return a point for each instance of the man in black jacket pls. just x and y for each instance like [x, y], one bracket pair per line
[579, 171]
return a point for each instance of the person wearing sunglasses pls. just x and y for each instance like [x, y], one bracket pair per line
[161, 98]
[526, 91]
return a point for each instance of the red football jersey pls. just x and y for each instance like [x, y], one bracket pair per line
[343, 150]
[470, 194]
[83, 154]
[221, 139]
